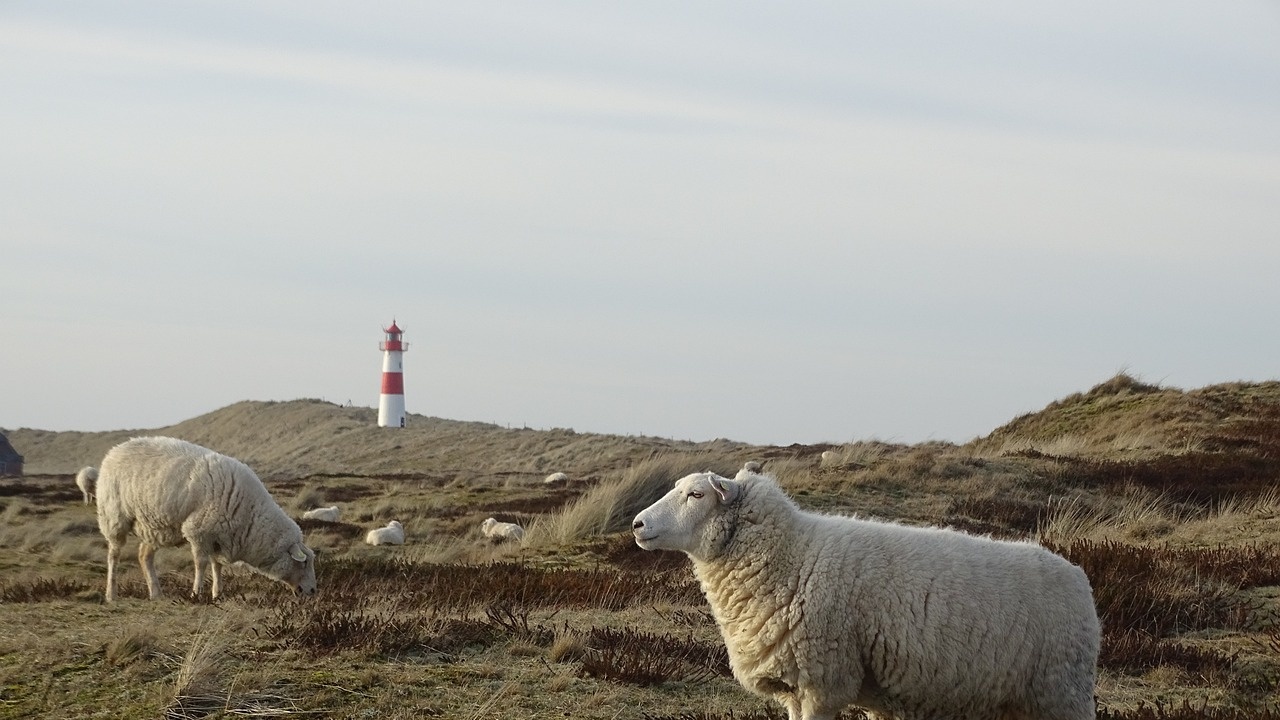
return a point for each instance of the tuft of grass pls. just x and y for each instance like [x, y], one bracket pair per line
[308, 498]
[198, 689]
[610, 506]
[130, 646]
[567, 647]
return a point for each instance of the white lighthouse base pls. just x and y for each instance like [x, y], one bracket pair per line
[391, 411]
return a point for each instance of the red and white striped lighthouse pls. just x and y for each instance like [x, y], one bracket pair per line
[391, 401]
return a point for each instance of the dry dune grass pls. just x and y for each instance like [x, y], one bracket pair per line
[1167, 498]
[609, 506]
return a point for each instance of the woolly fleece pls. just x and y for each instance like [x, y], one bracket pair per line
[821, 612]
[168, 491]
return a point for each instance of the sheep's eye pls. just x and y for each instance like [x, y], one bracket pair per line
[695, 494]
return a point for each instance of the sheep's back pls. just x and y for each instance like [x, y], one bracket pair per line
[158, 484]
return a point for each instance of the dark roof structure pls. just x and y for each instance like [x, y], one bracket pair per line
[10, 460]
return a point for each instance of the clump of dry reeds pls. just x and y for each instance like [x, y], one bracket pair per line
[610, 506]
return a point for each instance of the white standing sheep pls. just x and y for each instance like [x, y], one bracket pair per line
[168, 491]
[501, 531]
[86, 479]
[392, 534]
[821, 612]
[328, 514]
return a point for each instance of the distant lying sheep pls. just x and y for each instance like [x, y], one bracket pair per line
[828, 457]
[392, 534]
[750, 467]
[328, 514]
[820, 612]
[556, 478]
[85, 480]
[501, 531]
[168, 491]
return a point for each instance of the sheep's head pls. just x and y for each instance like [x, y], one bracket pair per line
[293, 564]
[691, 518]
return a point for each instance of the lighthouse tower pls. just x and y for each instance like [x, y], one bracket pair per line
[391, 402]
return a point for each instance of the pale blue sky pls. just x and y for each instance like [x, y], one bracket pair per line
[771, 222]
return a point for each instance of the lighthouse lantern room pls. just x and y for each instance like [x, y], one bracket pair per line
[391, 401]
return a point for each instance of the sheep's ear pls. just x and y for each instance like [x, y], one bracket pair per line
[297, 553]
[726, 489]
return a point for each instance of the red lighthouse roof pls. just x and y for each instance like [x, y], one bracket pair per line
[394, 328]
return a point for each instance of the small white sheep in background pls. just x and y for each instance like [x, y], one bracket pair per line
[828, 457]
[750, 467]
[86, 479]
[501, 531]
[556, 478]
[392, 534]
[168, 491]
[328, 514]
[820, 612]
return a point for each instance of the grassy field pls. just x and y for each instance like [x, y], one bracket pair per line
[1169, 499]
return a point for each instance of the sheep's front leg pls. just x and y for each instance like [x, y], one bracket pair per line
[147, 559]
[215, 571]
[201, 559]
[113, 557]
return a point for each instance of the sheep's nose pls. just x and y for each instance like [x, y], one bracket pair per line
[637, 524]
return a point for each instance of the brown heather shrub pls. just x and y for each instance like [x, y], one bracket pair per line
[770, 714]
[1136, 653]
[346, 531]
[539, 504]
[324, 631]
[40, 590]
[1151, 590]
[349, 582]
[52, 493]
[621, 551]
[1201, 478]
[641, 658]
[1246, 566]
[997, 515]
[1187, 711]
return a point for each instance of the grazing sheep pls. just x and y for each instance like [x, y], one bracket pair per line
[821, 612]
[328, 514]
[501, 531]
[556, 478]
[85, 480]
[392, 534]
[168, 491]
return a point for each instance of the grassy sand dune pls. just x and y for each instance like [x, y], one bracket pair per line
[1167, 498]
